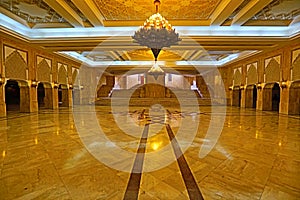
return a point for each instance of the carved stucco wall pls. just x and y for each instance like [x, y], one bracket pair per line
[43, 70]
[272, 69]
[252, 74]
[237, 77]
[62, 74]
[75, 77]
[295, 68]
[15, 65]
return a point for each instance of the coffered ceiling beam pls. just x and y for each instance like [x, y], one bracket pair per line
[90, 11]
[63, 9]
[224, 10]
[14, 16]
[249, 11]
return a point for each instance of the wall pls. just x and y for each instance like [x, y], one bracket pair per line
[276, 65]
[29, 65]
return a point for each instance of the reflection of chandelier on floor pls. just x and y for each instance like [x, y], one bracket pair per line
[156, 34]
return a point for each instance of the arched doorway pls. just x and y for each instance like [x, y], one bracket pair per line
[59, 95]
[236, 96]
[294, 98]
[271, 97]
[275, 97]
[41, 94]
[12, 95]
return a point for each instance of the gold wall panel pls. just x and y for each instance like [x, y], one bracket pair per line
[252, 75]
[15, 66]
[62, 74]
[170, 9]
[237, 78]
[272, 71]
[43, 71]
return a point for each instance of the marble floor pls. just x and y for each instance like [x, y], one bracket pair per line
[112, 153]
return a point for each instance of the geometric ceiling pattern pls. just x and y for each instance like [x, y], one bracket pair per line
[99, 31]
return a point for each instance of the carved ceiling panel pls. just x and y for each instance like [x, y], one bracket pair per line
[170, 9]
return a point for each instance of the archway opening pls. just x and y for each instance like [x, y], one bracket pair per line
[275, 97]
[254, 98]
[41, 95]
[59, 95]
[12, 95]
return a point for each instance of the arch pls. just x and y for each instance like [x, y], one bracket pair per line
[62, 75]
[272, 71]
[237, 78]
[251, 96]
[252, 75]
[296, 69]
[43, 71]
[294, 98]
[15, 66]
[271, 97]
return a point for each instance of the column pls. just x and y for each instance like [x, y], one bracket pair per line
[285, 80]
[70, 96]
[2, 98]
[34, 106]
[24, 98]
[54, 91]
[243, 89]
[260, 84]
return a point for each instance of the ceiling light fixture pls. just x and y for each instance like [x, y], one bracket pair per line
[156, 33]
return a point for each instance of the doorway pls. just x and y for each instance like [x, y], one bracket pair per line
[271, 97]
[275, 97]
[12, 95]
[41, 95]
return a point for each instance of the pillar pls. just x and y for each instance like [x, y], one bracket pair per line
[260, 84]
[34, 106]
[70, 96]
[285, 81]
[2, 98]
[24, 98]
[54, 91]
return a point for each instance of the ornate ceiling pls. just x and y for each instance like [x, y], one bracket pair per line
[101, 30]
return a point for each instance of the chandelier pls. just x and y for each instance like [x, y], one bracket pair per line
[156, 33]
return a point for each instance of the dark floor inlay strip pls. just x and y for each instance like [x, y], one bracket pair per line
[133, 186]
[188, 178]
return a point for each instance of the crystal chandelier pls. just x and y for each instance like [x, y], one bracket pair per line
[156, 33]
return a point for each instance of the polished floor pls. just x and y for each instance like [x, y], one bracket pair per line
[103, 153]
